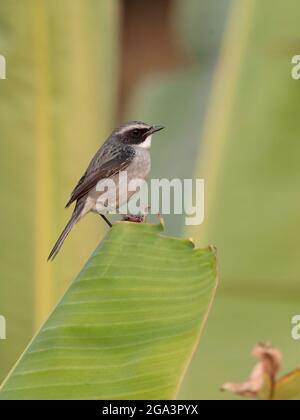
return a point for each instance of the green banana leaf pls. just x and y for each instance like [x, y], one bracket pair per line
[249, 162]
[128, 325]
[56, 104]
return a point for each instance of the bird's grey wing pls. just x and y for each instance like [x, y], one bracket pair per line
[101, 157]
[93, 176]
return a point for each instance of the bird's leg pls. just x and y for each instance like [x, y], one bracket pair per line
[106, 220]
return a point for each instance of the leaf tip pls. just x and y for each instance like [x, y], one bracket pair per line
[213, 249]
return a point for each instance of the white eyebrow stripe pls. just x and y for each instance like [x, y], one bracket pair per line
[131, 127]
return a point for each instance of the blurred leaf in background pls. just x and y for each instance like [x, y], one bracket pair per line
[178, 99]
[56, 106]
[249, 160]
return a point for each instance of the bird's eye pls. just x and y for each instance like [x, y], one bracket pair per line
[136, 132]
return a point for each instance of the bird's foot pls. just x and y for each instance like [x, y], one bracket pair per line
[134, 218]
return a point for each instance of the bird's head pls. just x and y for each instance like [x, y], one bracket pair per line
[137, 133]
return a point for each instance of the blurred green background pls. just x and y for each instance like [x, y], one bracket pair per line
[217, 74]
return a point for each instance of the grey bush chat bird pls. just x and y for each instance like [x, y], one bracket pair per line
[126, 150]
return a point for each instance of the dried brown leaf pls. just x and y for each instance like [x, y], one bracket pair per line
[262, 378]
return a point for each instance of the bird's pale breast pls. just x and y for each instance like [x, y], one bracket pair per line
[105, 198]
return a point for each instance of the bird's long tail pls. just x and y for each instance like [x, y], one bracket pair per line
[74, 219]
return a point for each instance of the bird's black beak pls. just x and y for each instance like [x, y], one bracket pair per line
[155, 129]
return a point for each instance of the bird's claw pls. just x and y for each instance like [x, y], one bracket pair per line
[134, 218]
